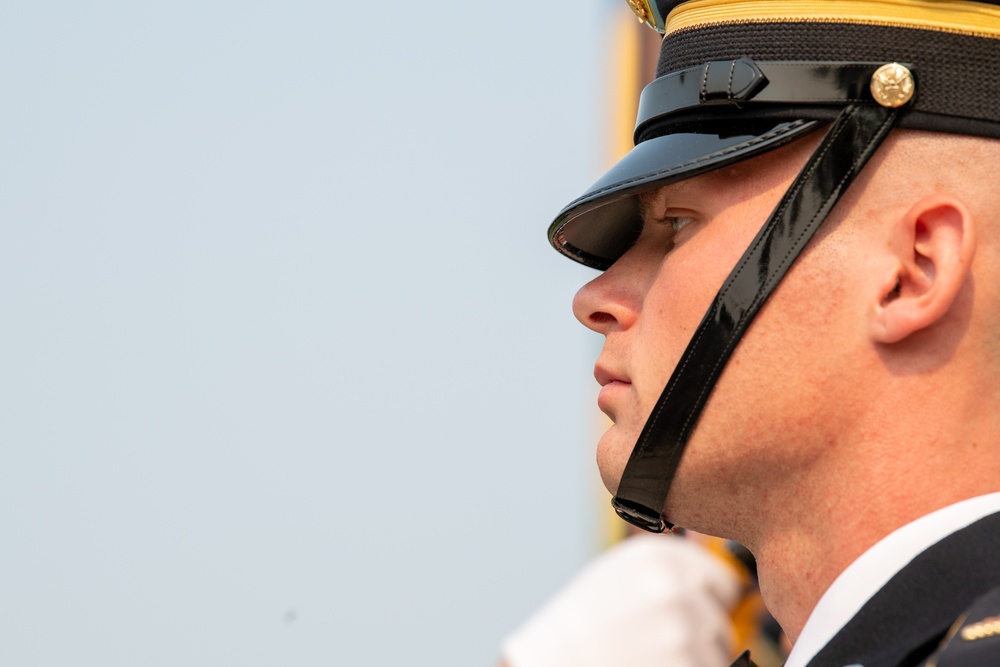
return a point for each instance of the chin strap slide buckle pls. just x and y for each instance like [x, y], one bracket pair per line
[640, 515]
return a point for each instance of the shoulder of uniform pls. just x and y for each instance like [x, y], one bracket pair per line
[974, 639]
[744, 660]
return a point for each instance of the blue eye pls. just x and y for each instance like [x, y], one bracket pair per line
[677, 223]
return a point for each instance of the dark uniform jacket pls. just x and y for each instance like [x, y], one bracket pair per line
[941, 610]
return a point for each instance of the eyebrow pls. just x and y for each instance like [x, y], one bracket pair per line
[649, 198]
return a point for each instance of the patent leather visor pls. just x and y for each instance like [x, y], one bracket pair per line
[598, 227]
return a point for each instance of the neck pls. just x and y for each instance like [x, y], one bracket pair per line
[801, 553]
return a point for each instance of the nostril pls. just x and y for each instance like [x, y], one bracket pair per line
[601, 318]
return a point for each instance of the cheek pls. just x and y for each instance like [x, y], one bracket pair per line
[683, 291]
[793, 368]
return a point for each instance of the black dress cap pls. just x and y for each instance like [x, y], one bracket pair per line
[737, 78]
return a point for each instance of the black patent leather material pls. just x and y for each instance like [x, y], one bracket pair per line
[744, 81]
[597, 228]
[848, 144]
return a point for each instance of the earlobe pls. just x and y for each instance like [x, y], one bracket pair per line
[932, 248]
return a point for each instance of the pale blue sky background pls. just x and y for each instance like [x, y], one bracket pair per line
[288, 374]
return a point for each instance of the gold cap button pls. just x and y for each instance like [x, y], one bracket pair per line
[893, 85]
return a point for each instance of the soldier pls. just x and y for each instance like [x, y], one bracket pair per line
[800, 304]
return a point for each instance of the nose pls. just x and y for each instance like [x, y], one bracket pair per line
[609, 302]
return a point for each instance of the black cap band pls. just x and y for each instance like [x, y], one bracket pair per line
[959, 73]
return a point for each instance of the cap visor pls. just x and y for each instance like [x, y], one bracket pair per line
[598, 227]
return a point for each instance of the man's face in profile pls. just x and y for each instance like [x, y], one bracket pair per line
[649, 303]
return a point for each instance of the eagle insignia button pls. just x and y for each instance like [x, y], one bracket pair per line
[892, 85]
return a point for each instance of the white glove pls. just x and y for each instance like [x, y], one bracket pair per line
[652, 601]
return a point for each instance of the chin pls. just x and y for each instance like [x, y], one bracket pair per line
[612, 455]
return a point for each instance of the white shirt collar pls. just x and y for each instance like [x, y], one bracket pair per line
[873, 569]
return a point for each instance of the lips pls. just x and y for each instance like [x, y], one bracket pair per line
[612, 384]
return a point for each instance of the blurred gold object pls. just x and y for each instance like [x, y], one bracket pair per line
[641, 10]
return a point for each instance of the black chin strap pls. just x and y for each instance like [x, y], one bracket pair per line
[848, 144]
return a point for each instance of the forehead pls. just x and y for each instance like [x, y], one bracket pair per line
[652, 199]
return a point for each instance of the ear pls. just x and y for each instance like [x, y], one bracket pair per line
[932, 248]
